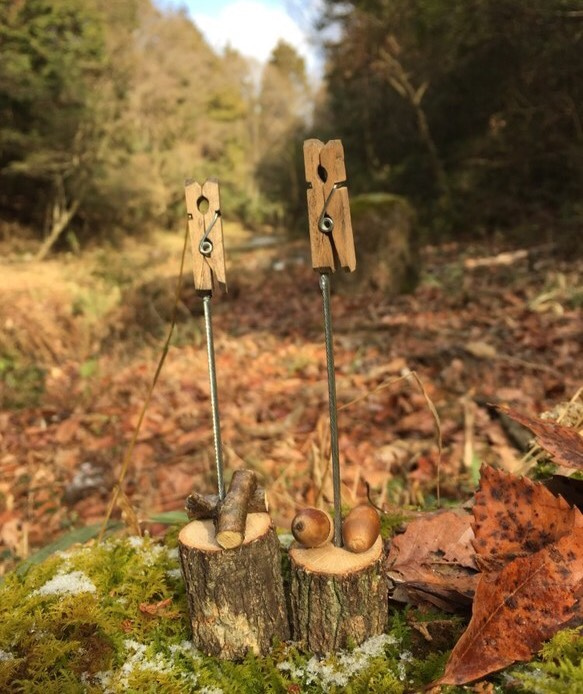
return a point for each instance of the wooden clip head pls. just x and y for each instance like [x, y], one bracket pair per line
[205, 228]
[331, 238]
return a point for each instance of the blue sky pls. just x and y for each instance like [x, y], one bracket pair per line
[254, 27]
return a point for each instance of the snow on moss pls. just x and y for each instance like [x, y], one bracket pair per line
[149, 552]
[71, 583]
[5, 655]
[338, 670]
[140, 660]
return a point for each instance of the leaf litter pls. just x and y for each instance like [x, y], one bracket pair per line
[273, 400]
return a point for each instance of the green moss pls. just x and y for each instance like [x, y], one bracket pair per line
[543, 469]
[21, 383]
[96, 638]
[557, 669]
[377, 202]
[390, 522]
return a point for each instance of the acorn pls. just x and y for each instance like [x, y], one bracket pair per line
[360, 528]
[312, 527]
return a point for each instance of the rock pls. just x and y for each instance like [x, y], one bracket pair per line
[386, 244]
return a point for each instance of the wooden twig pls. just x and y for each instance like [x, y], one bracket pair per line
[232, 512]
[203, 506]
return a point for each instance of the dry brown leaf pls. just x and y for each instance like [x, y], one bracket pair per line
[158, 609]
[127, 626]
[433, 561]
[518, 608]
[445, 537]
[514, 517]
[564, 443]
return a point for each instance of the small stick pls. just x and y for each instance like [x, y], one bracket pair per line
[232, 512]
[203, 506]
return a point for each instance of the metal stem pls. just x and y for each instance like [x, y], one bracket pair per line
[325, 287]
[206, 301]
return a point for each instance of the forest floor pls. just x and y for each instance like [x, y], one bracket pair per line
[80, 339]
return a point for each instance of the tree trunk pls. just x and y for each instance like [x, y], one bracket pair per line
[61, 220]
[338, 598]
[235, 597]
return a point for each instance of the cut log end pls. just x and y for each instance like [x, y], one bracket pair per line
[200, 534]
[229, 539]
[334, 561]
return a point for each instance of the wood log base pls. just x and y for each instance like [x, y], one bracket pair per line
[235, 597]
[338, 598]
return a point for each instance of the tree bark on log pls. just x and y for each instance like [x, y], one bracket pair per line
[235, 597]
[202, 506]
[337, 597]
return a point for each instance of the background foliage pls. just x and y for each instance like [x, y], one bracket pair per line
[471, 109]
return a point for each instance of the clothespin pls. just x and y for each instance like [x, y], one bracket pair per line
[331, 238]
[206, 235]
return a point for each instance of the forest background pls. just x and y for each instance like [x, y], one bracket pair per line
[470, 109]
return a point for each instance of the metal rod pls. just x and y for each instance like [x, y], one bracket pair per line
[206, 301]
[325, 287]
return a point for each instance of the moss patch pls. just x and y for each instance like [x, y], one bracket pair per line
[113, 618]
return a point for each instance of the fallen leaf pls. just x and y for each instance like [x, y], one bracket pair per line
[67, 430]
[564, 443]
[518, 608]
[514, 517]
[481, 350]
[158, 609]
[445, 537]
[449, 588]
[433, 561]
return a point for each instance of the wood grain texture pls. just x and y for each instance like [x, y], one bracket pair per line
[337, 247]
[207, 271]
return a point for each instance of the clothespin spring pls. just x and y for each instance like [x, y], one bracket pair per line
[205, 246]
[326, 223]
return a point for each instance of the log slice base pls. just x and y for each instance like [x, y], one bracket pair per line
[235, 597]
[338, 598]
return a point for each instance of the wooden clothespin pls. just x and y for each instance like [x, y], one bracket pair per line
[331, 238]
[205, 227]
